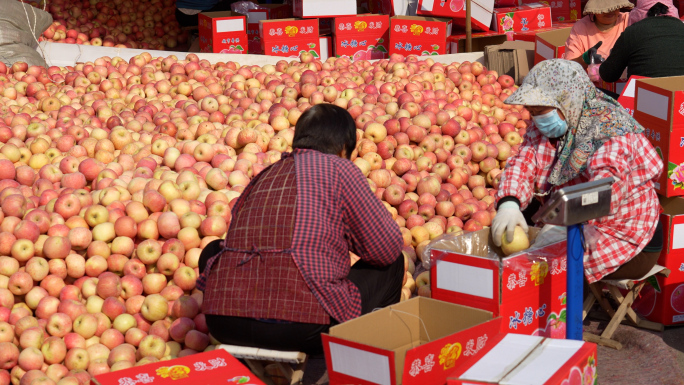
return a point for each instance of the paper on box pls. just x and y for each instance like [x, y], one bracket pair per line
[323, 8]
[419, 341]
[527, 289]
[660, 109]
[529, 360]
[208, 368]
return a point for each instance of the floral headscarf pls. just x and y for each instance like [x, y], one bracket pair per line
[592, 117]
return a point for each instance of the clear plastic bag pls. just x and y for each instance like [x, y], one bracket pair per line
[243, 7]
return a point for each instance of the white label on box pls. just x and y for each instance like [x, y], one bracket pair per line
[328, 7]
[465, 279]
[631, 87]
[545, 51]
[544, 362]
[426, 5]
[361, 364]
[678, 236]
[230, 25]
[589, 198]
[254, 17]
[323, 45]
[505, 356]
[401, 7]
[653, 104]
[678, 318]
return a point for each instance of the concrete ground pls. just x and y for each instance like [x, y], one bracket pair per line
[674, 337]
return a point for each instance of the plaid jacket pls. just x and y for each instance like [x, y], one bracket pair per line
[334, 212]
[620, 236]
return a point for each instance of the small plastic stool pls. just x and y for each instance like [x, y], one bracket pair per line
[624, 310]
[290, 364]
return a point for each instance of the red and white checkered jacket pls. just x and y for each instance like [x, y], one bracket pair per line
[634, 210]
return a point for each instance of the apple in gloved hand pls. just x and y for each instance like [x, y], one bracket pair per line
[520, 242]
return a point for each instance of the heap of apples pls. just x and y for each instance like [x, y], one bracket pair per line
[147, 24]
[115, 174]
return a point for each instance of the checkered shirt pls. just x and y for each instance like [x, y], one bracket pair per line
[335, 212]
[634, 210]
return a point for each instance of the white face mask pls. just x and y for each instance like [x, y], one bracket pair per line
[550, 124]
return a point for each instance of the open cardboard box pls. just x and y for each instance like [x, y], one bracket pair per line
[513, 58]
[628, 93]
[527, 288]
[551, 44]
[419, 341]
[528, 360]
[479, 41]
[660, 109]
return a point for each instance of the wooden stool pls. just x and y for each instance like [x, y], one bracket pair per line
[624, 311]
[290, 364]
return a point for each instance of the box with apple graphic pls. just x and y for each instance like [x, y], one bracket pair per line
[659, 107]
[362, 37]
[265, 12]
[664, 302]
[290, 37]
[527, 288]
[530, 360]
[481, 11]
[213, 367]
[419, 341]
[529, 17]
[564, 11]
[422, 36]
[550, 44]
[222, 32]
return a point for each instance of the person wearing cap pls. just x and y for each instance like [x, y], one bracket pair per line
[579, 135]
[594, 35]
[652, 47]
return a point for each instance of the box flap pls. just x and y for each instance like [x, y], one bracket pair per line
[526, 45]
[557, 37]
[502, 358]
[545, 361]
[673, 83]
[672, 206]
[422, 18]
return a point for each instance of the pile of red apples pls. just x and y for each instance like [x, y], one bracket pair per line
[115, 174]
[146, 24]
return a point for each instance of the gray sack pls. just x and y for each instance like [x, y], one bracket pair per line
[17, 42]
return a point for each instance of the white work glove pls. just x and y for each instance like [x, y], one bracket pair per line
[508, 216]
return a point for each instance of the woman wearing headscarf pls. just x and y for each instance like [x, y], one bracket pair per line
[580, 135]
[652, 47]
[595, 34]
[640, 12]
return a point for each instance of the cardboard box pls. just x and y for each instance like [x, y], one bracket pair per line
[419, 341]
[529, 17]
[214, 367]
[323, 8]
[362, 37]
[665, 303]
[480, 40]
[289, 37]
[222, 32]
[481, 12]
[562, 10]
[526, 289]
[268, 12]
[551, 44]
[627, 94]
[513, 58]
[529, 360]
[660, 109]
[390, 7]
[422, 36]
[531, 36]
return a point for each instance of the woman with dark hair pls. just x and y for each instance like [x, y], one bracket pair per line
[652, 47]
[283, 274]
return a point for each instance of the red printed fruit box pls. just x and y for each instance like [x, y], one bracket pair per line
[422, 36]
[362, 37]
[529, 17]
[481, 11]
[209, 368]
[550, 45]
[324, 8]
[266, 12]
[562, 10]
[664, 303]
[529, 360]
[627, 93]
[222, 32]
[526, 289]
[660, 109]
[415, 342]
[290, 37]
